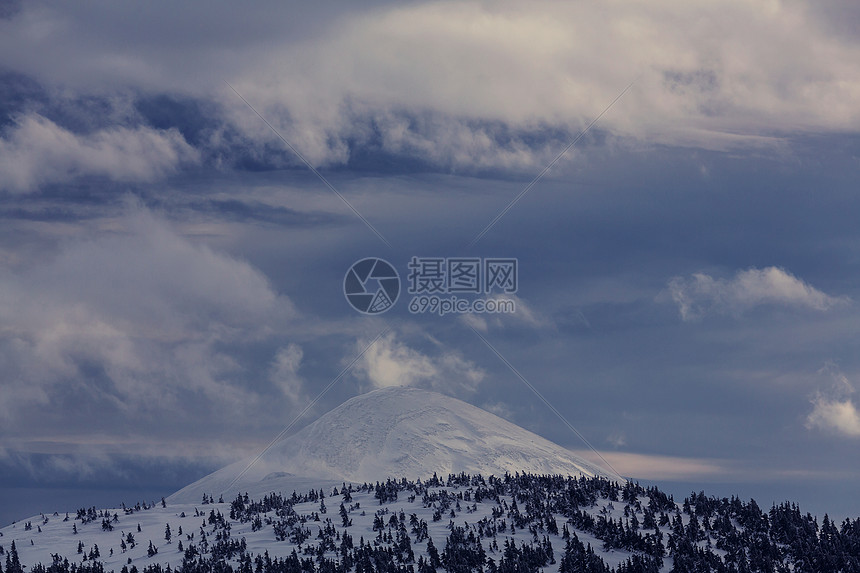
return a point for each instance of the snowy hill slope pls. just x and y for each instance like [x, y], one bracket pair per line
[393, 432]
[569, 519]
[338, 528]
[459, 524]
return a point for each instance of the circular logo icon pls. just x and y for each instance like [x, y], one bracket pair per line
[371, 286]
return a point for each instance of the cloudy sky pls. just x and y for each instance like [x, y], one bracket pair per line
[171, 272]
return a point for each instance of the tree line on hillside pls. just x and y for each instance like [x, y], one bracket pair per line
[526, 523]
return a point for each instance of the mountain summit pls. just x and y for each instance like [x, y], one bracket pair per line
[456, 523]
[393, 432]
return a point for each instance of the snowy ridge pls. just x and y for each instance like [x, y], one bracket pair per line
[393, 432]
[528, 505]
[460, 524]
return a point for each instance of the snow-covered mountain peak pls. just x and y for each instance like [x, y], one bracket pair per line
[394, 432]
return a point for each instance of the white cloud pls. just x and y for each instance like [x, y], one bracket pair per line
[469, 83]
[139, 323]
[717, 75]
[38, 151]
[833, 415]
[390, 362]
[833, 410]
[702, 294]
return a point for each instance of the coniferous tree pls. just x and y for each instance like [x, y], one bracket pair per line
[13, 564]
[344, 516]
[433, 553]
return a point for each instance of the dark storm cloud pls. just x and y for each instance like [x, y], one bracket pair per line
[9, 8]
[18, 93]
[840, 16]
[80, 113]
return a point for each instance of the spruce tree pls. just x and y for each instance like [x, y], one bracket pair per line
[13, 565]
[433, 553]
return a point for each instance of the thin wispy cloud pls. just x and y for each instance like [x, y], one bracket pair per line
[701, 294]
[526, 315]
[284, 372]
